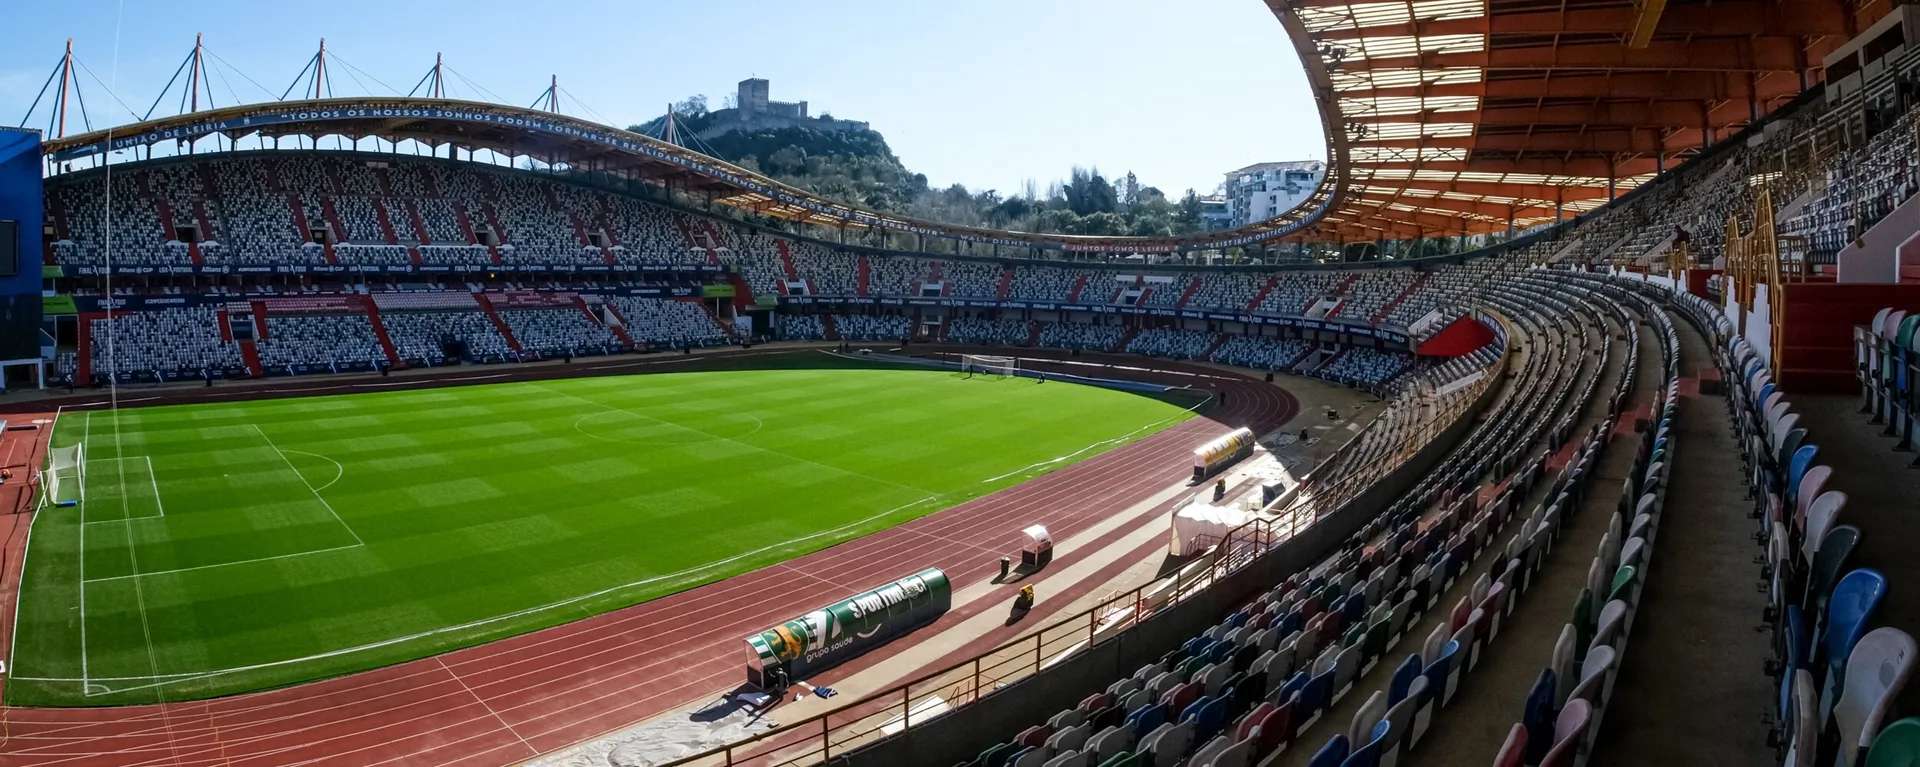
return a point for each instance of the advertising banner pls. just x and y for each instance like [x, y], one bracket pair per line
[849, 627]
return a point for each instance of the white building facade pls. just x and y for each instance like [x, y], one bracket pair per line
[1262, 191]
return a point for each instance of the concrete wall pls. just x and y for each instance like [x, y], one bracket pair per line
[966, 731]
[1873, 258]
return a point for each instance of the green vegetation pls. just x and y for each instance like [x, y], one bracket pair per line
[223, 548]
[858, 168]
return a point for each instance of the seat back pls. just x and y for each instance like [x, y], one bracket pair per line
[1537, 718]
[1799, 463]
[1109, 742]
[1613, 620]
[1565, 655]
[1513, 753]
[1875, 675]
[1622, 582]
[1812, 484]
[1572, 723]
[1854, 600]
[1370, 714]
[1898, 745]
[1333, 754]
[1821, 516]
[1828, 561]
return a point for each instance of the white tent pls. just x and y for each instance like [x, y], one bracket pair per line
[1198, 525]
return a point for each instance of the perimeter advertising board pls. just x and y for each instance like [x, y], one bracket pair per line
[849, 627]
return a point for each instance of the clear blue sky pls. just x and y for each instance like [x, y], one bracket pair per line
[987, 93]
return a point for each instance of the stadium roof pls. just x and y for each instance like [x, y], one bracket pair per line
[1460, 116]
[1441, 117]
[584, 145]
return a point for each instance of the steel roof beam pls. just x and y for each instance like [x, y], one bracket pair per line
[1678, 86]
[1631, 114]
[1761, 54]
[1739, 19]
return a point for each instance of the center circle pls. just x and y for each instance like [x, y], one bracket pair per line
[633, 428]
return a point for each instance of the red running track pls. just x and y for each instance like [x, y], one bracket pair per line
[517, 698]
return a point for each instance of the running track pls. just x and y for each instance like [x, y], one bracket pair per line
[511, 700]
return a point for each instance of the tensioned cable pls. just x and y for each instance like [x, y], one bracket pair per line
[588, 107]
[351, 69]
[478, 87]
[238, 71]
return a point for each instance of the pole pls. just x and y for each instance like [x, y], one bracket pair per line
[66, 75]
[439, 90]
[553, 95]
[193, 78]
[320, 71]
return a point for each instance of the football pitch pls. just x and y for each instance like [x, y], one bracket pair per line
[224, 548]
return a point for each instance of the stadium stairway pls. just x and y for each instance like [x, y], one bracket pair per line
[250, 354]
[713, 236]
[200, 217]
[1034, 329]
[162, 210]
[1125, 338]
[1484, 688]
[1260, 298]
[579, 230]
[864, 278]
[332, 217]
[1193, 286]
[373, 318]
[499, 323]
[831, 328]
[414, 220]
[1817, 345]
[466, 225]
[1000, 293]
[385, 220]
[786, 261]
[619, 330]
[1079, 284]
[1387, 310]
[1673, 677]
[686, 231]
[1479, 722]
[493, 220]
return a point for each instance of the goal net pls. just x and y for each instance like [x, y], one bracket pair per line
[65, 479]
[988, 364]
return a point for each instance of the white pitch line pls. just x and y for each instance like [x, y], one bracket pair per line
[155, 482]
[338, 470]
[221, 564]
[86, 434]
[303, 481]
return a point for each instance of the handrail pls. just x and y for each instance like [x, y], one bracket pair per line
[898, 708]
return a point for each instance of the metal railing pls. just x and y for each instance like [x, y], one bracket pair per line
[902, 707]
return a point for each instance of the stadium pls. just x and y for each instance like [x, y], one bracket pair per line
[415, 430]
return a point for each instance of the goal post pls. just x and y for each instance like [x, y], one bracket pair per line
[989, 364]
[65, 479]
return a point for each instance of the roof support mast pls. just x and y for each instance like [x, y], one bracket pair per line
[193, 81]
[66, 76]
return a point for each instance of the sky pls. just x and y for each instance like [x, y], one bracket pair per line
[987, 93]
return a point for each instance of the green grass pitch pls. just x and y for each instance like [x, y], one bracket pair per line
[225, 548]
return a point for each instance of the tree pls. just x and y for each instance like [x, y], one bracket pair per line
[694, 106]
[1130, 190]
[1188, 219]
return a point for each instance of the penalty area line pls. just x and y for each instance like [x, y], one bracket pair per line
[224, 564]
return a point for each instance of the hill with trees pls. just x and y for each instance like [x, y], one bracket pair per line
[857, 167]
